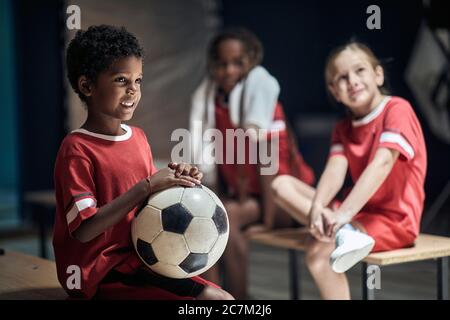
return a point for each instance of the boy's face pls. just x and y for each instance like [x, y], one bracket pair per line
[117, 91]
[231, 64]
[356, 82]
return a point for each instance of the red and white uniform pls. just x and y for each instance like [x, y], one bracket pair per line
[392, 215]
[286, 165]
[91, 170]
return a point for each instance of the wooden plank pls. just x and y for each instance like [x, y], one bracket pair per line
[426, 246]
[290, 238]
[28, 277]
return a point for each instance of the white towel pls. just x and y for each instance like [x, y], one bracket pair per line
[259, 102]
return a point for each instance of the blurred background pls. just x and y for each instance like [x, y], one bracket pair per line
[38, 107]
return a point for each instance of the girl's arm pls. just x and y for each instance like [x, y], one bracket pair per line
[331, 180]
[330, 183]
[368, 183]
[114, 211]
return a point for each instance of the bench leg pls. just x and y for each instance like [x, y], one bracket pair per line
[294, 275]
[42, 231]
[442, 278]
[367, 294]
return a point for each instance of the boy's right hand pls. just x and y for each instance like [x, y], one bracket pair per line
[165, 178]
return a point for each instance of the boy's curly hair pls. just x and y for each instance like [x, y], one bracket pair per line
[96, 49]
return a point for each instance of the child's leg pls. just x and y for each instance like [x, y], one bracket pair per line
[294, 196]
[331, 285]
[236, 253]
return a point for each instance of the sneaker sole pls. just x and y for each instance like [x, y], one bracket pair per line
[348, 260]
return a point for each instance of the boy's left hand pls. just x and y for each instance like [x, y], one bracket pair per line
[185, 170]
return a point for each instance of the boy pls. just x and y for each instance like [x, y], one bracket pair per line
[103, 173]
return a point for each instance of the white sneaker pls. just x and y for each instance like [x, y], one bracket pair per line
[351, 247]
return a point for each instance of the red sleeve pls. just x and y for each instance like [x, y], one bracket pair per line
[398, 131]
[76, 179]
[337, 146]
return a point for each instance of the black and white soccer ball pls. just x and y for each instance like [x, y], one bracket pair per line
[181, 232]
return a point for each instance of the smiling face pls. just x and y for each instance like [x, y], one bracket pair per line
[231, 64]
[355, 82]
[117, 91]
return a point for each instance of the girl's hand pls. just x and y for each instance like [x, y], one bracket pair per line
[184, 169]
[166, 178]
[317, 216]
[333, 221]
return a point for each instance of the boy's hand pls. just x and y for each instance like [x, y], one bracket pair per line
[212, 293]
[166, 178]
[184, 169]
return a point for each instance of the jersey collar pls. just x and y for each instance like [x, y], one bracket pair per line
[372, 114]
[123, 137]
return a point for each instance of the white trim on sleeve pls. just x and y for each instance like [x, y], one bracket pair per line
[78, 207]
[397, 138]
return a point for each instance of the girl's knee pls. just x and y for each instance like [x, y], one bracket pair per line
[277, 184]
[317, 253]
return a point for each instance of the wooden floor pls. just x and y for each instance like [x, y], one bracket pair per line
[269, 278]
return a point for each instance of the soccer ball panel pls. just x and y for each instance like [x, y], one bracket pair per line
[170, 248]
[220, 219]
[194, 263]
[147, 225]
[176, 218]
[201, 235]
[169, 270]
[214, 197]
[145, 251]
[166, 198]
[199, 203]
[218, 249]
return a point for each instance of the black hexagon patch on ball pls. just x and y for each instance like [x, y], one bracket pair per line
[176, 218]
[194, 262]
[220, 219]
[146, 252]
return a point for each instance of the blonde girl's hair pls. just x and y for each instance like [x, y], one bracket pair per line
[352, 45]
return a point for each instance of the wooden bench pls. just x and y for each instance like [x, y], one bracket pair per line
[426, 247]
[28, 277]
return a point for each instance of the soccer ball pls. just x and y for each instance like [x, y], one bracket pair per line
[181, 232]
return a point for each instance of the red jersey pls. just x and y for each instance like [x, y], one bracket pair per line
[90, 171]
[286, 165]
[393, 124]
